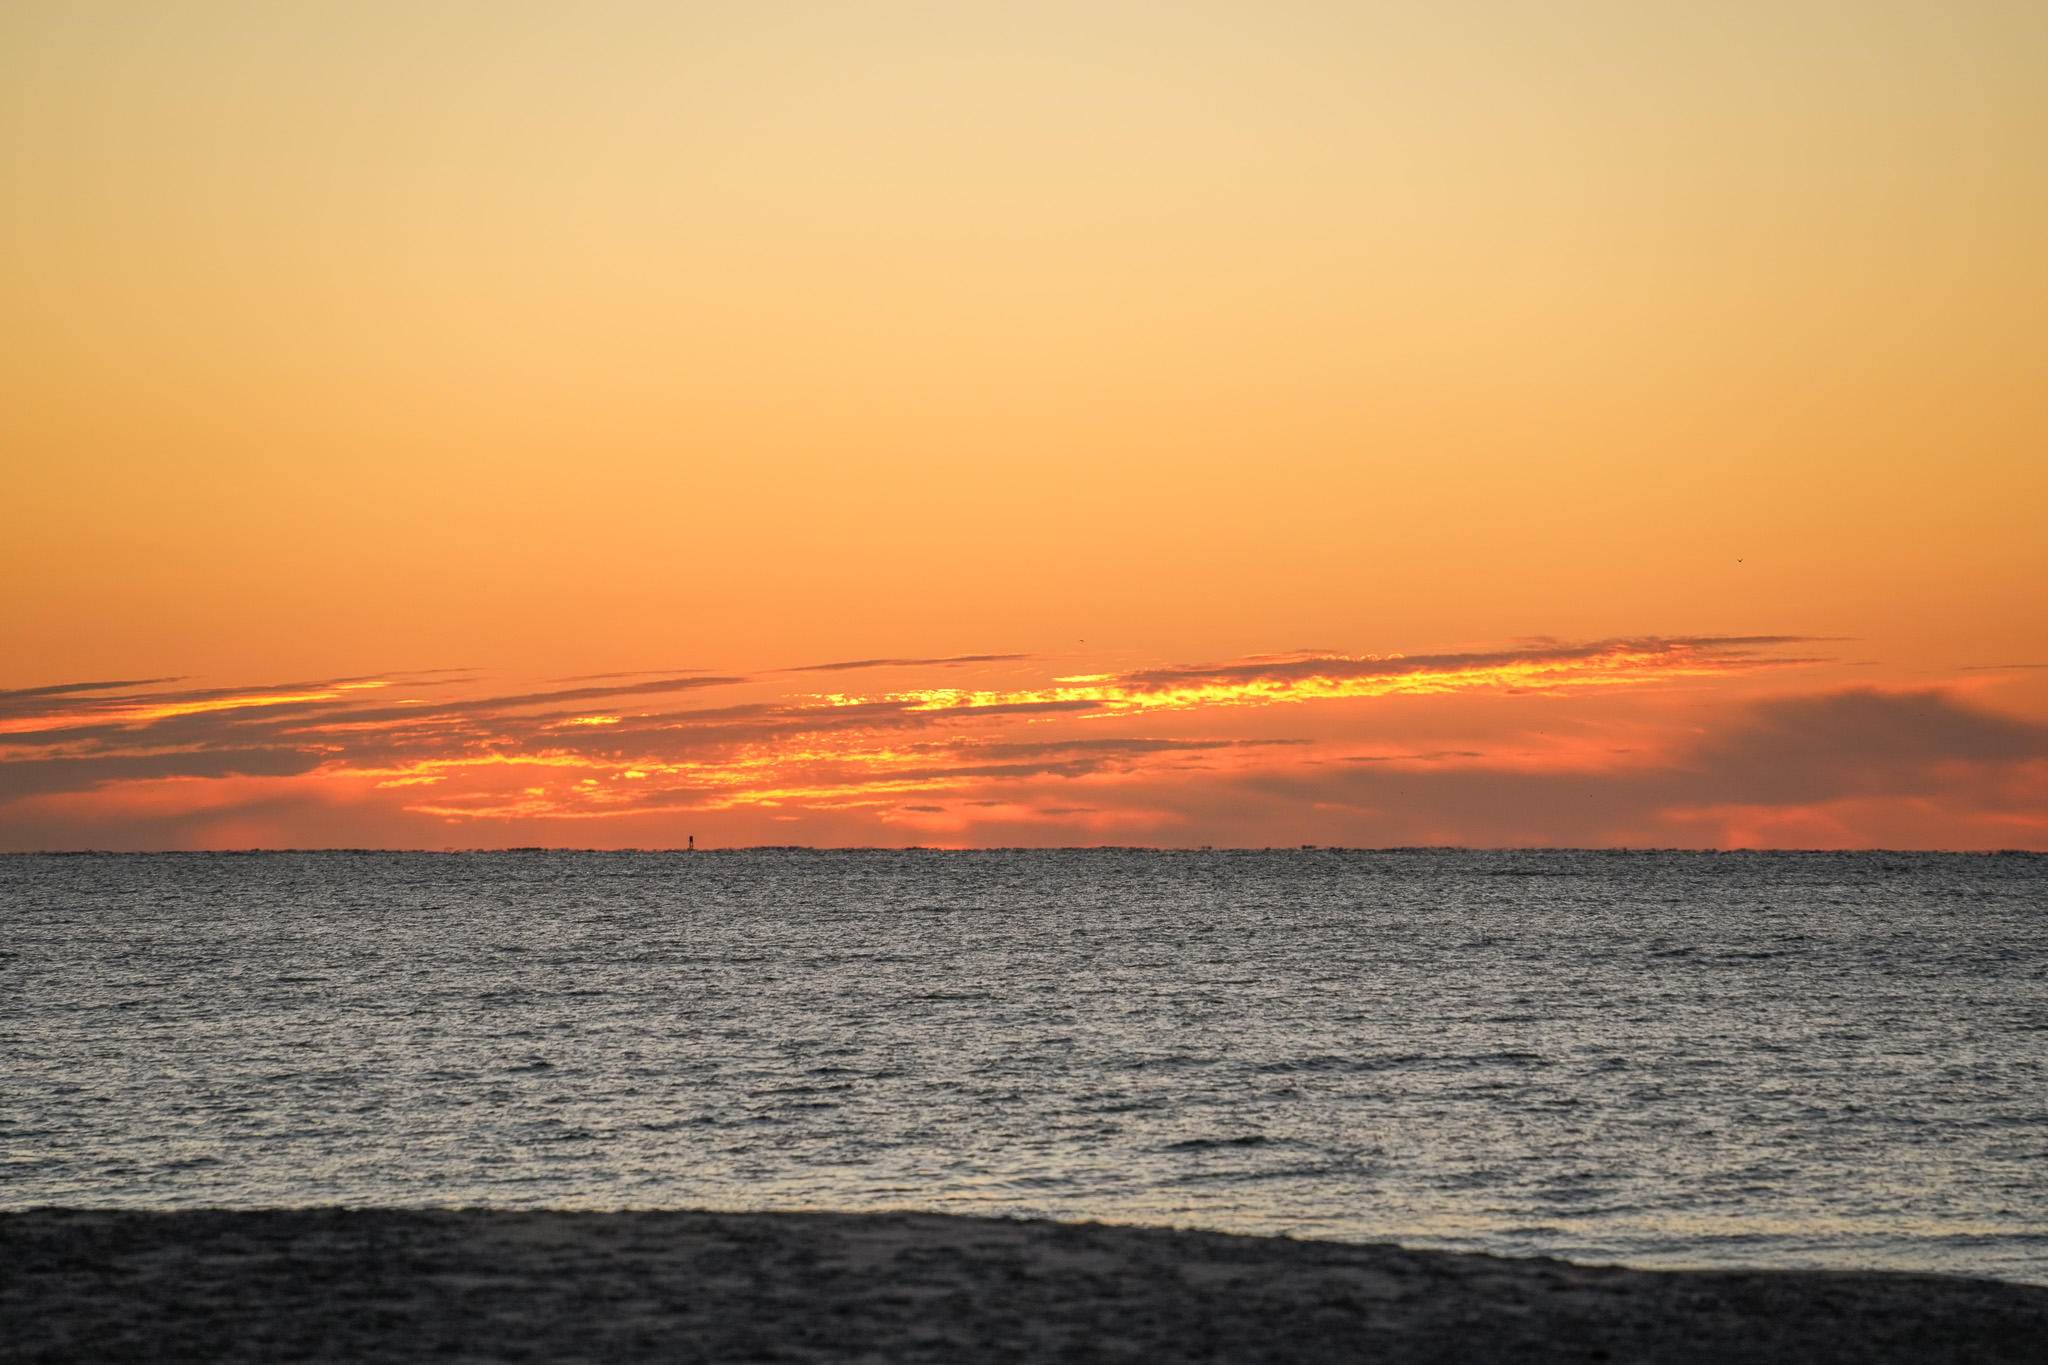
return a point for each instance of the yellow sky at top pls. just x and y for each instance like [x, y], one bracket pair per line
[350, 337]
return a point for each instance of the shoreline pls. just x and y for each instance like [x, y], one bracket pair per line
[501, 1285]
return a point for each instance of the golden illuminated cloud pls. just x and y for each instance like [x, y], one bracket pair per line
[1135, 754]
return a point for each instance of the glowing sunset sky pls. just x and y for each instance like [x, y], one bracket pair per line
[459, 424]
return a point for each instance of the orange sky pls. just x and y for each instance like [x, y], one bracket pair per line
[1672, 376]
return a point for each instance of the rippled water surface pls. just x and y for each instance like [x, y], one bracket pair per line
[1664, 1059]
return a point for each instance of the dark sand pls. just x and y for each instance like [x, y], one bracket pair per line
[383, 1285]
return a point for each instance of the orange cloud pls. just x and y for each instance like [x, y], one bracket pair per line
[1310, 677]
[1255, 750]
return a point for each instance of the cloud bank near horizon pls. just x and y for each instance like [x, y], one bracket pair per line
[1272, 749]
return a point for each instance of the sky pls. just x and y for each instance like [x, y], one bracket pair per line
[465, 425]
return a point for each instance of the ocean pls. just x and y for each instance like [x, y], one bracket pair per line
[1655, 1058]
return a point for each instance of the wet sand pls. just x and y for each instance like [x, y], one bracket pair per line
[391, 1285]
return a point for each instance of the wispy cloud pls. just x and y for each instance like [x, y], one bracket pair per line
[74, 706]
[28, 699]
[1541, 664]
[1142, 748]
[1544, 665]
[857, 664]
[301, 708]
[376, 721]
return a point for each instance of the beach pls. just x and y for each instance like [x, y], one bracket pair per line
[497, 1285]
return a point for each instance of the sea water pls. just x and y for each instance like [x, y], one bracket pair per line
[1809, 1059]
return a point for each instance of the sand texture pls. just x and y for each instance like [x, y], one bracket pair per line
[385, 1285]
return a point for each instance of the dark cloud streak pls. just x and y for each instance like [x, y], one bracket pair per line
[855, 664]
[1725, 649]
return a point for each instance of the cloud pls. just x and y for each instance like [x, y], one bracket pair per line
[1861, 741]
[856, 664]
[1430, 757]
[329, 716]
[29, 699]
[1540, 664]
[1858, 767]
[64, 774]
[65, 705]
[1240, 751]
[555, 698]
